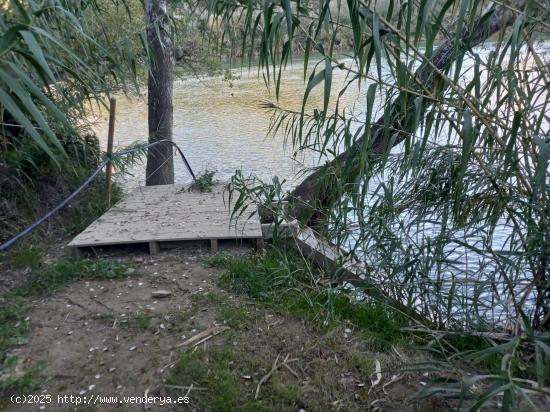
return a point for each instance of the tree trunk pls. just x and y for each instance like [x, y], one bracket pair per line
[315, 195]
[160, 160]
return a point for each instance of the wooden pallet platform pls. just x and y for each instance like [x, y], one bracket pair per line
[168, 213]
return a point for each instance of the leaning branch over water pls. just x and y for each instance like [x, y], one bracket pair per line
[314, 193]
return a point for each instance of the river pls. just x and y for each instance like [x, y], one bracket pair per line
[220, 125]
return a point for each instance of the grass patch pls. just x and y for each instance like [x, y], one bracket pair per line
[51, 277]
[24, 257]
[211, 371]
[204, 182]
[281, 278]
[218, 376]
[210, 298]
[14, 382]
[361, 363]
[235, 316]
[219, 260]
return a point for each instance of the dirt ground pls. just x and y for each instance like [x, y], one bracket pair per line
[113, 338]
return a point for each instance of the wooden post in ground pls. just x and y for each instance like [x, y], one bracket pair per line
[110, 136]
[214, 245]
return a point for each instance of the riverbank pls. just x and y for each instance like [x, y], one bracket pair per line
[235, 330]
[94, 327]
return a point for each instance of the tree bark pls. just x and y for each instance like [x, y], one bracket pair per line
[160, 160]
[315, 195]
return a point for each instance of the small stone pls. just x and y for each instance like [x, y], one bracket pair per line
[247, 377]
[112, 369]
[129, 271]
[347, 330]
[82, 392]
[132, 348]
[91, 387]
[97, 376]
[161, 293]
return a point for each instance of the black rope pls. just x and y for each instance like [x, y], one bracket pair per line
[93, 175]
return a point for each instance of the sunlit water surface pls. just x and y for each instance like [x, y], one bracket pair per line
[220, 125]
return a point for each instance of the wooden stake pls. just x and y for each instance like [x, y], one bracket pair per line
[110, 136]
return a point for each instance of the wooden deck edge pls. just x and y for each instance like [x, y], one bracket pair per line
[284, 230]
[348, 269]
[146, 241]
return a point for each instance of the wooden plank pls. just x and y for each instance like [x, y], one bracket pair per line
[76, 252]
[284, 230]
[331, 258]
[214, 245]
[260, 244]
[168, 213]
[154, 248]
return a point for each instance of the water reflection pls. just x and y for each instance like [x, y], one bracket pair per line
[221, 125]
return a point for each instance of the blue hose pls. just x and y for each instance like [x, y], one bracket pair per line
[4, 246]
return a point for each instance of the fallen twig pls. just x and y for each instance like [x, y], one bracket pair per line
[202, 337]
[185, 388]
[395, 378]
[276, 365]
[292, 371]
[378, 373]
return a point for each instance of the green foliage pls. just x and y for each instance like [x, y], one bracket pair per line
[444, 194]
[25, 257]
[219, 260]
[55, 60]
[18, 383]
[218, 372]
[52, 276]
[209, 370]
[235, 317]
[13, 326]
[281, 278]
[89, 206]
[33, 182]
[204, 182]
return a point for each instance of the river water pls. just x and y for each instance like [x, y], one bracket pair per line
[220, 125]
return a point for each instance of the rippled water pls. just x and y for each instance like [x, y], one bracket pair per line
[220, 124]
